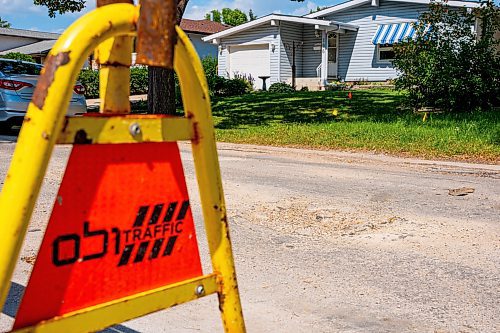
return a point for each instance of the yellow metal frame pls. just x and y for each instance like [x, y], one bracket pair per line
[117, 129]
[44, 125]
[115, 312]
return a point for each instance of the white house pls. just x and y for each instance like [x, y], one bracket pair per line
[350, 41]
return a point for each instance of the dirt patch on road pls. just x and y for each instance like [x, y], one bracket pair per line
[304, 217]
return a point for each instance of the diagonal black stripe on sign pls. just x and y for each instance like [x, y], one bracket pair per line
[170, 246]
[183, 210]
[126, 255]
[156, 214]
[156, 248]
[170, 212]
[141, 252]
[141, 215]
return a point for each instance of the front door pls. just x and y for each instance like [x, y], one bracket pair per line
[332, 54]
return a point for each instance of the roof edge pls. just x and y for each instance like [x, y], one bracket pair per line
[354, 3]
[29, 33]
[278, 17]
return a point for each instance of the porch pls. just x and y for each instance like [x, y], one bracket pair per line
[309, 55]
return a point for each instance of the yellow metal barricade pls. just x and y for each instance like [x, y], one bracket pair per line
[109, 29]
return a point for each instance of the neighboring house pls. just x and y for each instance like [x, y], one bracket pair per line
[351, 41]
[38, 44]
[197, 29]
[35, 43]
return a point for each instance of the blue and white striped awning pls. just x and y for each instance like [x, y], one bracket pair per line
[393, 33]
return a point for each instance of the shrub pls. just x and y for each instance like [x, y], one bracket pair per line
[234, 87]
[447, 66]
[249, 79]
[220, 86]
[138, 80]
[18, 56]
[210, 66]
[214, 81]
[304, 89]
[216, 85]
[89, 78]
[281, 87]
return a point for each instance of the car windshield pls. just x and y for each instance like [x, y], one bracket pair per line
[17, 68]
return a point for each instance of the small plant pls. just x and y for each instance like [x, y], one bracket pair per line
[335, 86]
[246, 77]
[304, 89]
[281, 87]
[361, 82]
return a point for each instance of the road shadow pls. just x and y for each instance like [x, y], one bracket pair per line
[118, 329]
[15, 296]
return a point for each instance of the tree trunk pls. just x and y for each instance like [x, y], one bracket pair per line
[161, 92]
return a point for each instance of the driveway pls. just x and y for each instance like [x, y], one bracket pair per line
[335, 242]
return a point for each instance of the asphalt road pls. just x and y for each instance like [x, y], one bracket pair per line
[335, 242]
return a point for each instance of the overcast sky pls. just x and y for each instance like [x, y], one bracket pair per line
[22, 14]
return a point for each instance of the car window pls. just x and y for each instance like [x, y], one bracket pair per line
[16, 68]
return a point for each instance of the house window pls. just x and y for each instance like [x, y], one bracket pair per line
[385, 52]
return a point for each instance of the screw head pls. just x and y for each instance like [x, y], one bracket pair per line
[200, 290]
[135, 129]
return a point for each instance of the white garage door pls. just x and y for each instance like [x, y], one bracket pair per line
[250, 60]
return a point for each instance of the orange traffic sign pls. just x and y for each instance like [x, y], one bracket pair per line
[121, 224]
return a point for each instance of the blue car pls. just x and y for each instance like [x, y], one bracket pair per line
[17, 84]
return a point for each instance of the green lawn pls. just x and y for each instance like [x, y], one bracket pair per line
[374, 120]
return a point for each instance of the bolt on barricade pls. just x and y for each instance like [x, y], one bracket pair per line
[120, 242]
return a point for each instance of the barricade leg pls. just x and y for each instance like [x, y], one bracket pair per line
[193, 83]
[114, 58]
[42, 125]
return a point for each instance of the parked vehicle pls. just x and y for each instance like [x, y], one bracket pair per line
[17, 84]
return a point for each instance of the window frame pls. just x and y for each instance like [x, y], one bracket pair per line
[384, 47]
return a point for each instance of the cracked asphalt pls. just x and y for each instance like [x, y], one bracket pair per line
[333, 242]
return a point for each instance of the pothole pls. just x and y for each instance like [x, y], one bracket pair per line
[306, 218]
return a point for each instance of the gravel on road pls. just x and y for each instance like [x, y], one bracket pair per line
[334, 242]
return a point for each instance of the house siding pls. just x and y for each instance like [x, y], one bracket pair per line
[358, 58]
[290, 32]
[258, 35]
[204, 49]
[311, 58]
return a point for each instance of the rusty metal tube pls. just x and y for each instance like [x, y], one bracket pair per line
[156, 33]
